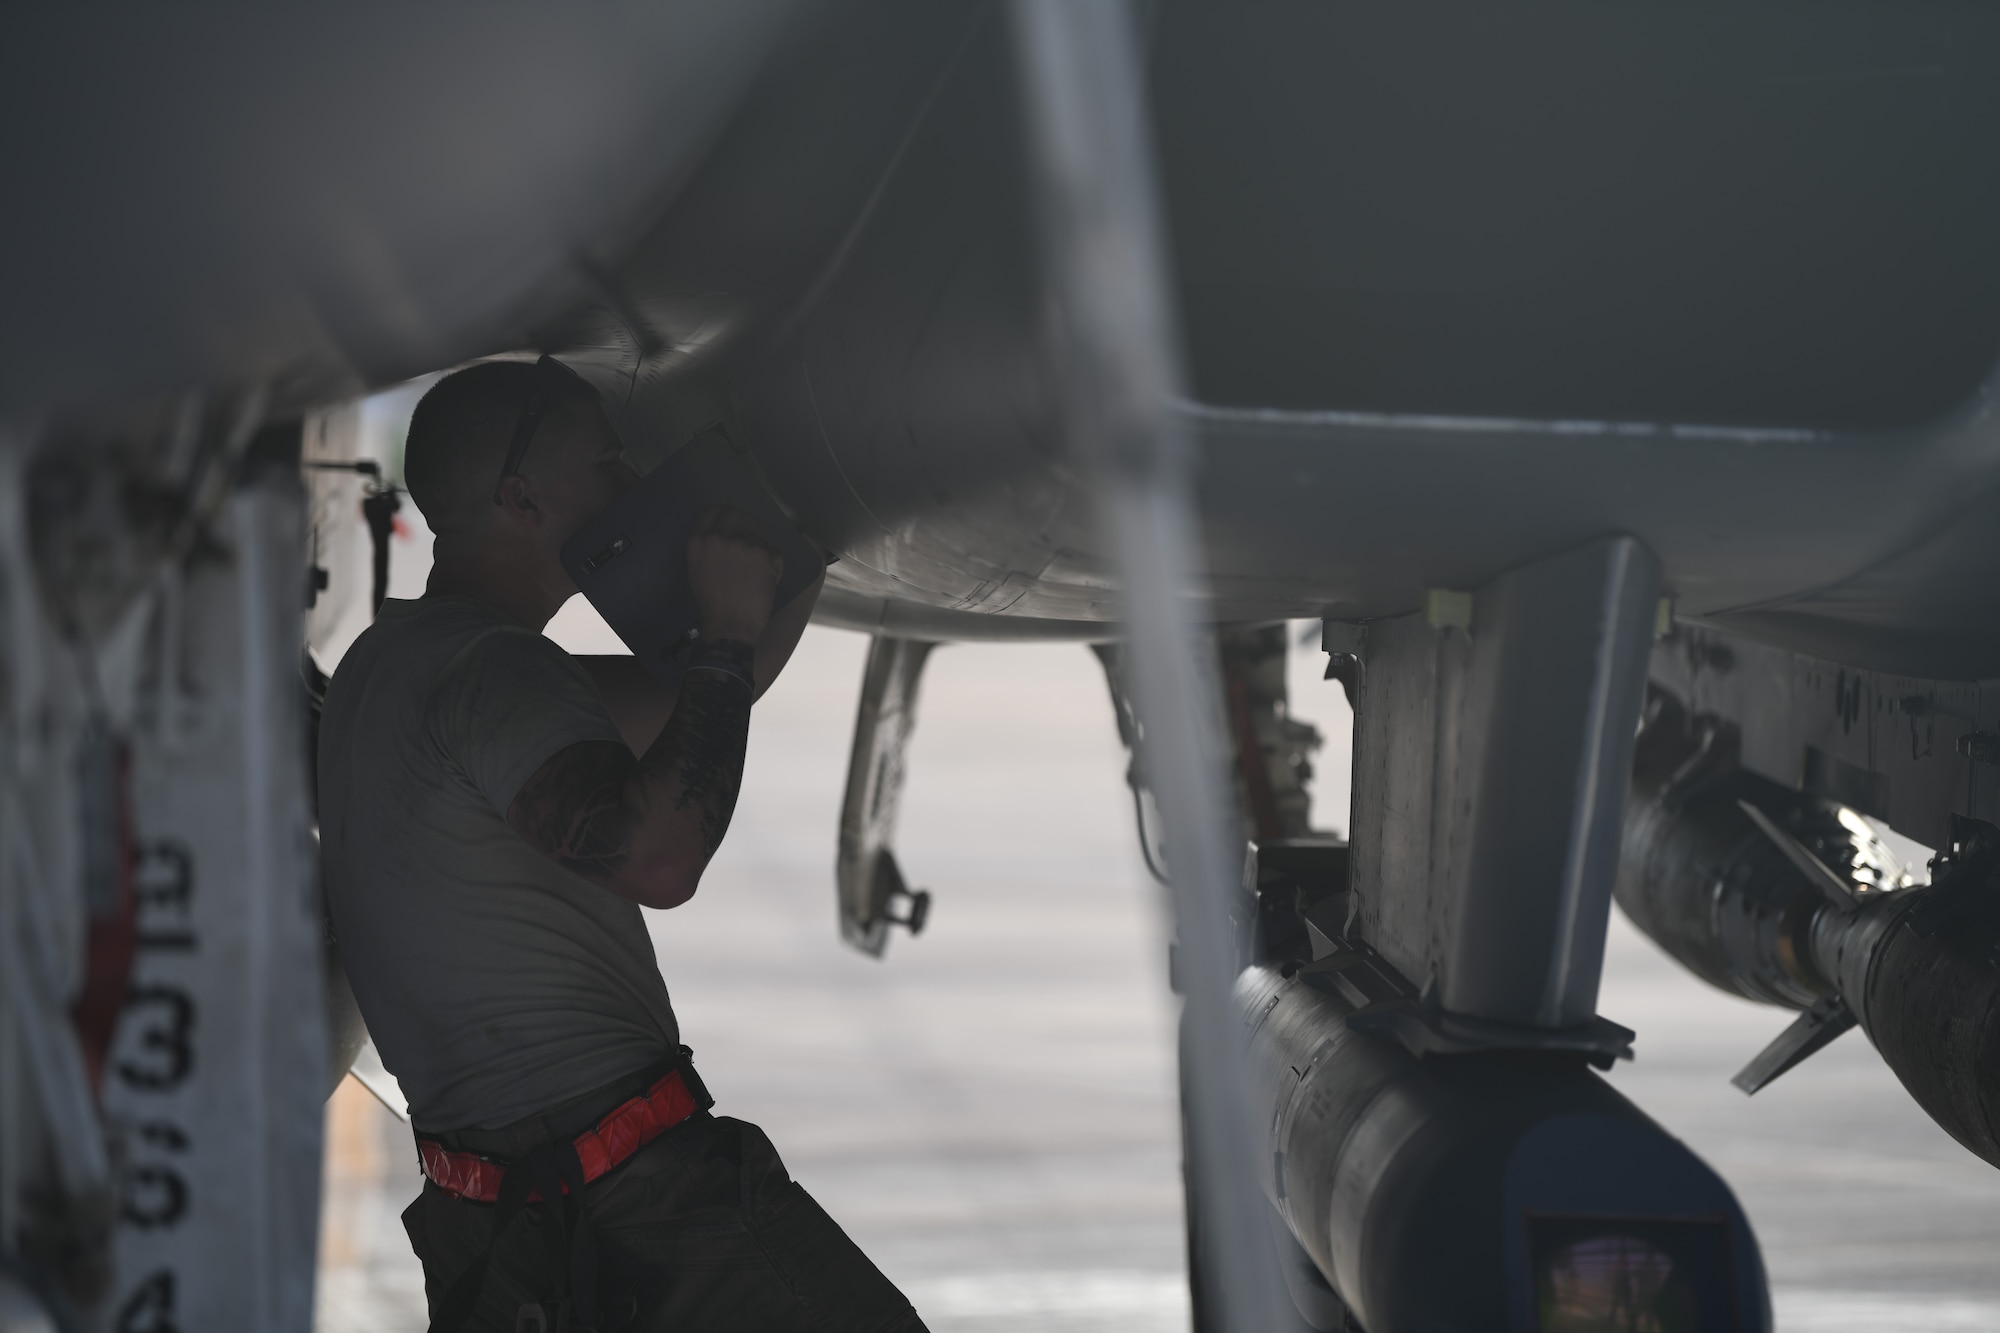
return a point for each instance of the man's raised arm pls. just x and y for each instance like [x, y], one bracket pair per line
[640, 705]
[645, 828]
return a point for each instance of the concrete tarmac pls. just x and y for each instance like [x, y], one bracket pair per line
[990, 1110]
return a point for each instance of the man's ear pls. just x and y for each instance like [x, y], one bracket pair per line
[517, 500]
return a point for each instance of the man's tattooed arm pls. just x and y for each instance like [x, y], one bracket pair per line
[646, 828]
[573, 809]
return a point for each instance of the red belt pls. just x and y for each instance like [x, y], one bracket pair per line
[635, 1123]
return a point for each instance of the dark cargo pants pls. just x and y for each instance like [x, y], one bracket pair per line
[700, 1230]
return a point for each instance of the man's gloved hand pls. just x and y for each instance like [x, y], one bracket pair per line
[733, 576]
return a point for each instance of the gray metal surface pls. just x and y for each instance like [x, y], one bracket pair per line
[1883, 743]
[867, 879]
[1385, 1165]
[911, 402]
[329, 198]
[1491, 761]
[1718, 283]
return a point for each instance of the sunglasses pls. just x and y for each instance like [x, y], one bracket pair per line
[553, 383]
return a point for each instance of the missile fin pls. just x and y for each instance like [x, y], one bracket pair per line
[1835, 887]
[1810, 1032]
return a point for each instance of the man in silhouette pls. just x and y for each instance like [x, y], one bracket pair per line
[494, 814]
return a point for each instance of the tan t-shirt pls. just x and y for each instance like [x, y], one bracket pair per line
[494, 982]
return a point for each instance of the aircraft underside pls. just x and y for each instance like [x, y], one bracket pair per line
[1613, 384]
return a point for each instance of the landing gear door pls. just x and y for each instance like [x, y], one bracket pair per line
[873, 895]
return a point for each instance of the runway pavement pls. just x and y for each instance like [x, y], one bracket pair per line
[990, 1110]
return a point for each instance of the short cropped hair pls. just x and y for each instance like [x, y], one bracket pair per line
[459, 436]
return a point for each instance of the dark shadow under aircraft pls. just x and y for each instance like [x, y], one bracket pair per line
[1613, 381]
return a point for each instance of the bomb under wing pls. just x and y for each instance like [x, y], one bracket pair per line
[1775, 894]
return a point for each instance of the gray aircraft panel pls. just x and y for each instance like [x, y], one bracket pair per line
[1758, 214]
[903, 407]
[1461, 287]
[332, 197]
